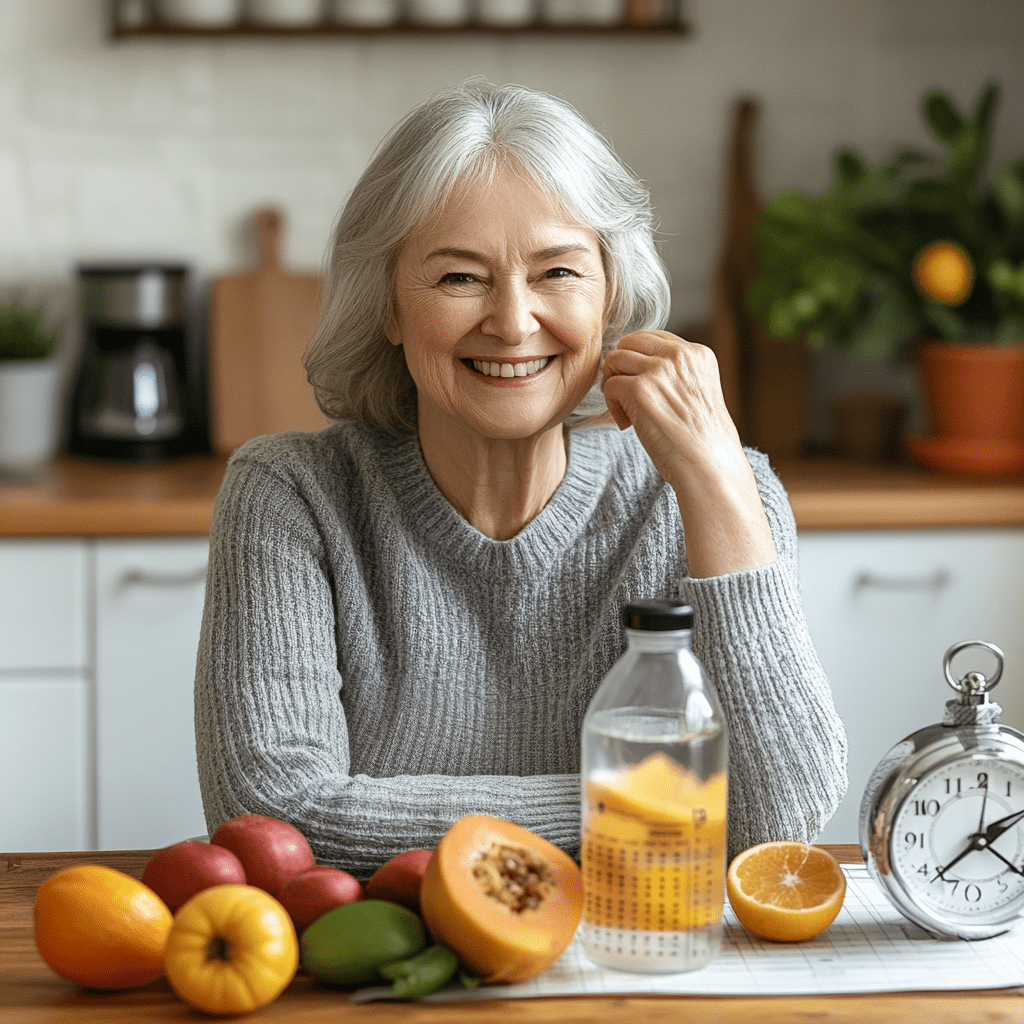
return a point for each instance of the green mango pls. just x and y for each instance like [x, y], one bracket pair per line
[346, 945]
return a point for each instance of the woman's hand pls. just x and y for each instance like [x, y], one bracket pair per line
[669, 391]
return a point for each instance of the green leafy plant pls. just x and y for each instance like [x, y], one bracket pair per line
[24, 336]
[841, 266]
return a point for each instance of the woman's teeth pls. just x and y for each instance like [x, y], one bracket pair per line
[511, 369]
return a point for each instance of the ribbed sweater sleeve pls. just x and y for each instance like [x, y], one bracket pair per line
[371, 668]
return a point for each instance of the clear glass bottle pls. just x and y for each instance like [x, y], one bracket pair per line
[654, 781]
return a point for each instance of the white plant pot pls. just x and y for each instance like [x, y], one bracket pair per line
[29, 414]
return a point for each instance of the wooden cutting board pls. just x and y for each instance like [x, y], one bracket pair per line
[260, 323]
[764, 380]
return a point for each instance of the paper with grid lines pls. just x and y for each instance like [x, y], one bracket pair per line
[870, 947]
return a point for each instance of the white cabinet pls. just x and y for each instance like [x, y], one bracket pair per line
[883, 607]
[98, 643]
[45, 696]
[149, 603]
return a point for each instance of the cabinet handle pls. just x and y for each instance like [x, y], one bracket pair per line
[148, 578]
[935, 582]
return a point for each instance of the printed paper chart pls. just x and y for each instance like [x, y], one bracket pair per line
[870, 947]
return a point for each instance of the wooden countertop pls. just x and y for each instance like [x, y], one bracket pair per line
[80, 497]
[30, 993]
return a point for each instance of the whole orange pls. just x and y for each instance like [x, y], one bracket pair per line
[101, 928]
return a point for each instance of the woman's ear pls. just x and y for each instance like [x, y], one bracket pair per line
[394, 335]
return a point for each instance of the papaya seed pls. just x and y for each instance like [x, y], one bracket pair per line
[519, 878]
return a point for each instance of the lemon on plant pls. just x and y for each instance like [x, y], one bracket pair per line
[943, 272]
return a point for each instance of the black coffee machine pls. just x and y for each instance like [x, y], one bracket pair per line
[139, 393]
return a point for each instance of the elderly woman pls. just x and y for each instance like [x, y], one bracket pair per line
[408, 612]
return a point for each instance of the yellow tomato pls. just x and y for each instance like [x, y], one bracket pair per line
[232, 949]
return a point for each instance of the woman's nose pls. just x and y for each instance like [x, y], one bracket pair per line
[510, 314]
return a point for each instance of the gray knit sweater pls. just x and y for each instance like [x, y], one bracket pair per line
[371, 667]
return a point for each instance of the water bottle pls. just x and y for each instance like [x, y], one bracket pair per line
[654, 781]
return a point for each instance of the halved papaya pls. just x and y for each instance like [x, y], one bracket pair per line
[505, 900]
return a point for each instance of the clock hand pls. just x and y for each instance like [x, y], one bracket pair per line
[1008, 863]
[997, 828]
[981, 820]
[941, 872]
[981, 840]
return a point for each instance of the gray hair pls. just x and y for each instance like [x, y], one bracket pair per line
[469, 134]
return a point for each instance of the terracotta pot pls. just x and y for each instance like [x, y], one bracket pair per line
[974, 391]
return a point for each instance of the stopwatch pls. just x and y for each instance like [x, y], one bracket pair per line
[942, 817]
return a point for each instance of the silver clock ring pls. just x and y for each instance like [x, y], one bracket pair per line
[986, 682]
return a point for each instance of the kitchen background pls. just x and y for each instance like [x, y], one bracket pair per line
[163, 148]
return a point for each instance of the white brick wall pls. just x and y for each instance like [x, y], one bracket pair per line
[162, 148]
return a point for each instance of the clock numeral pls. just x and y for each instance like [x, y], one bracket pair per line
[972, 893]
[928, 807]
[949, 786]
[914, 839]
[923, 870]
[1007, 788]
[982, 780]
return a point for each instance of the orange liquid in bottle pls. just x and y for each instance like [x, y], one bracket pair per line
[653, 857]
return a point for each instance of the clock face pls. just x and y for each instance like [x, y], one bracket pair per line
[957, 843]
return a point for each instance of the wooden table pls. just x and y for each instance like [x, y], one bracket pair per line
[30, 993]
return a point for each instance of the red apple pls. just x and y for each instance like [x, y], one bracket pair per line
[271, 850]
[399, 880]
[176, 873]
[311, 894]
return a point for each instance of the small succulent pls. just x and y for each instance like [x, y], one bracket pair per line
[24, 336]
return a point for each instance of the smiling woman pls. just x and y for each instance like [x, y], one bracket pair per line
[408, 613]
[499, 306]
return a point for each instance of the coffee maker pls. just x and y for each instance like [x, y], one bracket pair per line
[138, 394]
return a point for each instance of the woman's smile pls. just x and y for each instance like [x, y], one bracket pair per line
[505, 372]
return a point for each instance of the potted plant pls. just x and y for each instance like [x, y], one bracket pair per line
[919, 257]
[29, 377]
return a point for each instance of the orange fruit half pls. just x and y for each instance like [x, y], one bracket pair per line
[785, 891]
[101, 928]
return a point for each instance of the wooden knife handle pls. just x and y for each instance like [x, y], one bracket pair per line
[266, 226]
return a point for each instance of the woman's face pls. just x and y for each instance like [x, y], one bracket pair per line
[500, 307]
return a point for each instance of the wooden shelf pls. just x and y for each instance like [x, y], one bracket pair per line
[668, 29]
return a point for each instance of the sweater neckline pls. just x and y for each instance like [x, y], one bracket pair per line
[550, 532]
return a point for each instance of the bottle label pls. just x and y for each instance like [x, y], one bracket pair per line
[654, 847]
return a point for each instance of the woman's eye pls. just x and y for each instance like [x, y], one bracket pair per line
[561, 272]
[456, 277]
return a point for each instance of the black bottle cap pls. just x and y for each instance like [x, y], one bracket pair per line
[657, 615]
